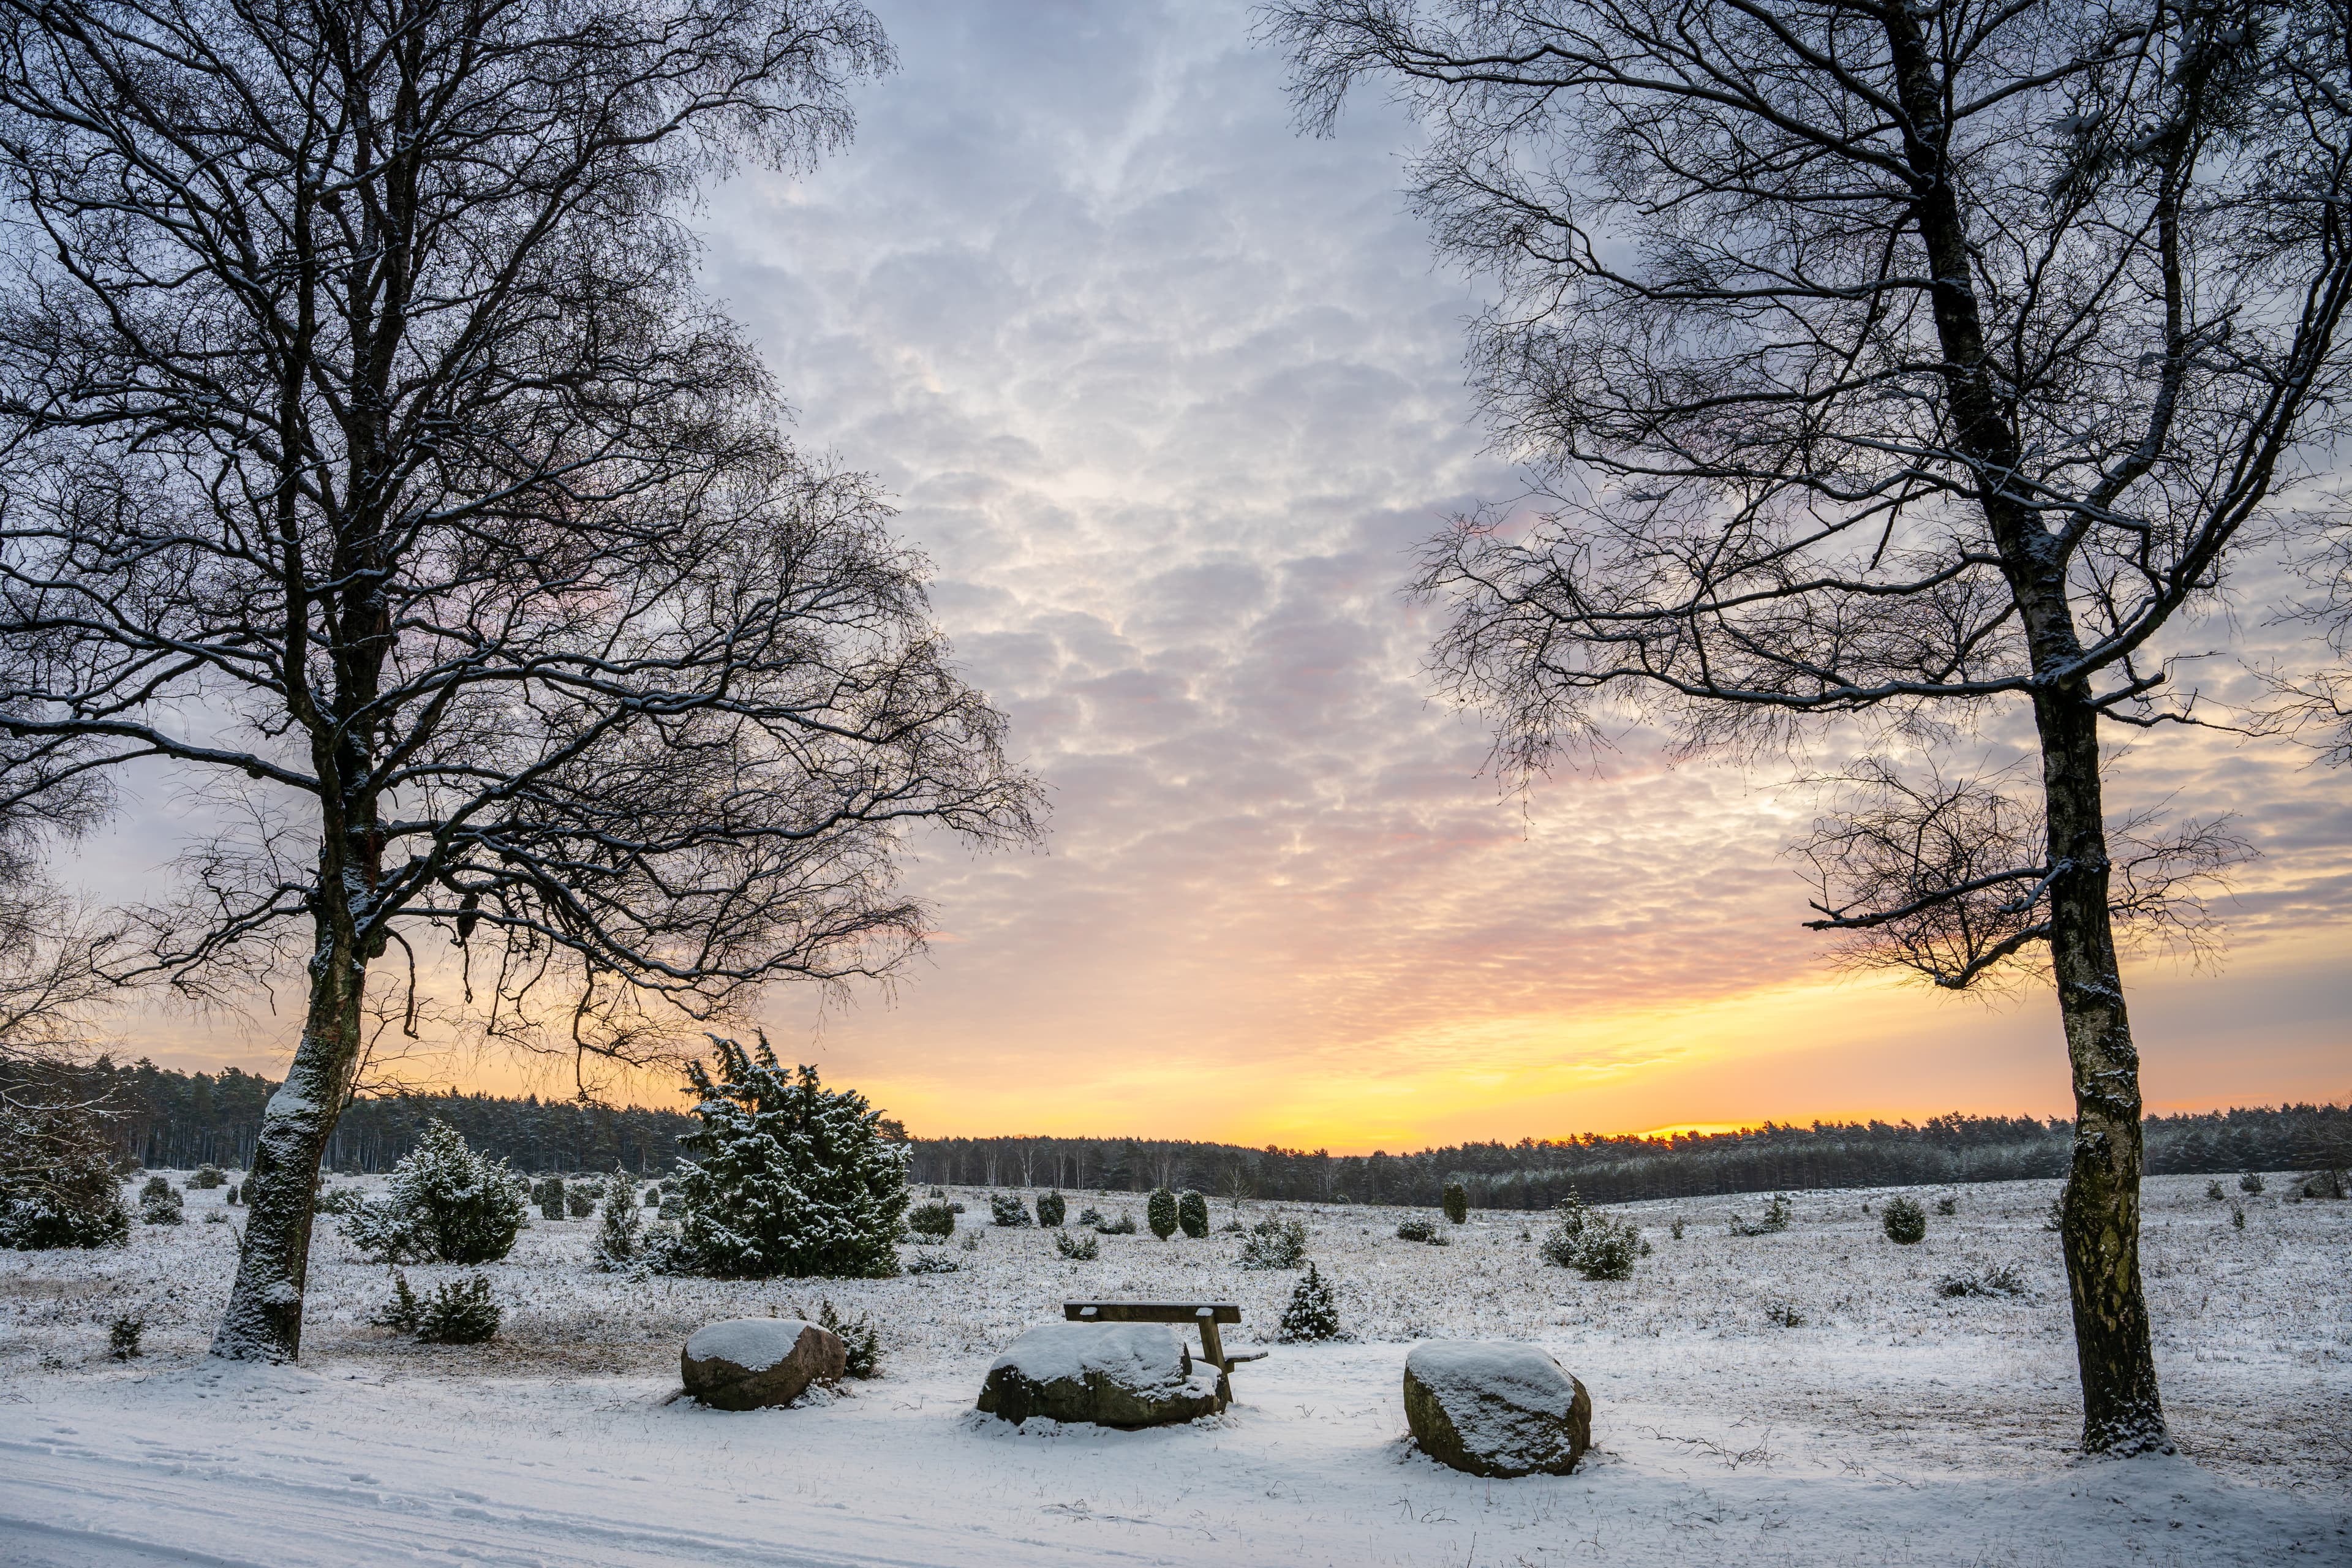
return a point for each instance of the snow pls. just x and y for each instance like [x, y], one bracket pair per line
[1891, 1425]
[755, 1344]
[1136, 1355]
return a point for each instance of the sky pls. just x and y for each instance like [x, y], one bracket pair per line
[1168, 394]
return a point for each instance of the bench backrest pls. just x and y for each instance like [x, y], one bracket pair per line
[1151, 1312]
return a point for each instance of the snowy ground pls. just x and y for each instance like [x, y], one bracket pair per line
[1889, 1425]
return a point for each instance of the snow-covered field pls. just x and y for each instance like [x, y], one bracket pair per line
[1809, 1397]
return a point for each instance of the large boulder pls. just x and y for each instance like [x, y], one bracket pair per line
[1113, 1374]
[744, 1364]
[1496, 1409]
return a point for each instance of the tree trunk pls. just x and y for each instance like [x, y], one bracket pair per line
[264, 1320]
[2122, 1413]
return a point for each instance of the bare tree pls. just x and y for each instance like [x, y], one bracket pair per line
[1902, 360]
[372, 463]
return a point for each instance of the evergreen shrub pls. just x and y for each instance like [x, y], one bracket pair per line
[1123, 1226]
[1007, 1209]
[927, 1262]
[1275, 1244]
[1077, 1245]
[122, 1337]
[1906, 1222]
[1090, 1216]
[579, 1199]
[935, 1220]
[331, 1200]
[458, 1312]
[547, 1193]
[1457, 1203]
[208, 1177]
[1590, 1242]
[1160, 1213]
[159, 1203]
[1777, 1214]
[1192, 1215]
[653, 1197]
[2251, 1185]
[789, 1177]
[446, 1203]
[863, 1340]
[57, 1185]
[1947, 1206]
[617, 1238]
[1051, 1207]
[1313, 1313]
[235, 1194]
[1418, 1229]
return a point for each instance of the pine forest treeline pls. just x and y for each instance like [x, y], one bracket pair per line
[173, 1120]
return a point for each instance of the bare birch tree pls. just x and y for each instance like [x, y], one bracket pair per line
[373, 462]
[1906, 360]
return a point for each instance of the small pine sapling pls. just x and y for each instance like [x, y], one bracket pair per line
[1007, 1210]
[2213, 1191]
[935, 1220]
[2251, 1185]
[928, 1261]
[1192, 1215]
[458, 1312]
[1457, 1203]
[446, 1203]
[1313, 1313]
[123, 1336]
[550, 1194]
[1777, 1214]
[652, 1197]
[1080, 1246]
[971, 1241]
[580, 1199]
[1906, 1222]
[159, 1203]
[1090, 1216]
[859, 1336]
[1160, 1213]
[208, 1177]
[1420, 1230]
[1947, 1206]
[1051, 1208]
[617, 1238]
[1674, 1228]
[400, 1312]
[2238, 1215]
[233, 1194]
[1275, 1243]
[1123, 1226]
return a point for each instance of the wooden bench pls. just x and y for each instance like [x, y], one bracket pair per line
[1205, 1315]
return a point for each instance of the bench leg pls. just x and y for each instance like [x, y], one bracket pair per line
[1213, 1351]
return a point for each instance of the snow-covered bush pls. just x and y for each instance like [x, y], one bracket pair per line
[1777, 1214]
[1160, 1213]
[1192, 1215]
[330, 1200]
[932, 1219]
[1275, 1244]
[1993, 1280]
[1418, 1229]
[789, 1177]
[2251, 1185]
[1090, 1216]
[1007, 1209]
[1313, 1313]
[59, 1188]
[1123, 1226]
[445, 1203]
[617, 1238]
[235, 1195]
[579, 1199]
[1457, 1202]
[1947, 1206]
[1077, 1245]
[1051, 1207]
[1674, 1229]
[207, 1176]
[123, 1336]
[458, 1312]
[858, 1334]
[1906, 1222]
[2213, 1192]
[159, 1203]
[928, 1261]
[1590, 1242]
[654, 1197]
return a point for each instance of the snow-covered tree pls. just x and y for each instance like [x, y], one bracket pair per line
[446, 1204]
[789, 1177]
[616, 1236]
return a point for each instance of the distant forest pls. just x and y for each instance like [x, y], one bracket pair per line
[178, 1119]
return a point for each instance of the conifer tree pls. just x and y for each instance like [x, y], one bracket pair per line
[789, 1177]
[617, 1238]
[1161, 1212]
[1193, 1213]
[446, 1204]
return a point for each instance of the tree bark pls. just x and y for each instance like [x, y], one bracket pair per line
[2122, 1413]
[264, 1319]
